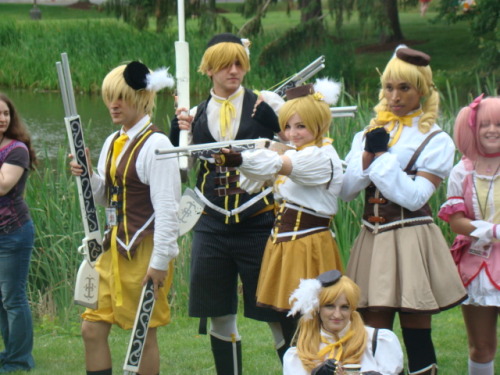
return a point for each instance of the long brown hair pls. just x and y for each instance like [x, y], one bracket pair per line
[17, 130]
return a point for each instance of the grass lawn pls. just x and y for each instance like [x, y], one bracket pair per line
[60, 351]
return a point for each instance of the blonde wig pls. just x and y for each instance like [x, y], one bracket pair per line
[419, 77]
[114, 87]
[309, 336]
[222, 55]
[314, 113]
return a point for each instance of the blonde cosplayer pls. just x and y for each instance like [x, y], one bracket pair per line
[313, 107]
[419, 77]
[136, 85]
[307, 299]
[222, 54]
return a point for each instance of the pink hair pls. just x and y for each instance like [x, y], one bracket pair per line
[466, 137]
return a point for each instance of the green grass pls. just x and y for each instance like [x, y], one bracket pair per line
[59, 350]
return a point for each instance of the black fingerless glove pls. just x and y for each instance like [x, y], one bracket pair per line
[377, 140]
[174, 131]
[266, 116]
[232, 159]
[326, 368]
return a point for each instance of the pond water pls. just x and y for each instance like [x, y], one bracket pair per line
[43, 113]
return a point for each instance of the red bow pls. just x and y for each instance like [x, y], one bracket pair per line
[473, 113]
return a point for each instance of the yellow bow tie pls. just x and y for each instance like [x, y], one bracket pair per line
[227, 113]
[336, 349]
[385, 117]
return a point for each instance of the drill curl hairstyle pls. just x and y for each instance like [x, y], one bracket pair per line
[17, 130]
[308, 336]
[114, 87]
[419, 77]
[315, 115]
[467, 138]
[221, 55]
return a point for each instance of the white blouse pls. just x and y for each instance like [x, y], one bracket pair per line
[387, 171]
[388, 358]
[315, 180]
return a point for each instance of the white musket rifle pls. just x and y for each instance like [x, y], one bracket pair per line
[87, 279]
[182, 78]
[299, 78]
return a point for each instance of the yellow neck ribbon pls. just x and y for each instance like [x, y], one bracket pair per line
[227, 113]
[117, 149]
[384, 117]
[336, 349]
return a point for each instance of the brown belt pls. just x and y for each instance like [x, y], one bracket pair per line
[291, 220]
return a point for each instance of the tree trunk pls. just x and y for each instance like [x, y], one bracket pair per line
[309, 9]
[396, 35]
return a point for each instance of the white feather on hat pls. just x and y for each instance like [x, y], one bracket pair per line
[329, 88]
[305, 299]
[159, 79]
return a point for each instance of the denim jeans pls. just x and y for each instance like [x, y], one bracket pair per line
[15, 316]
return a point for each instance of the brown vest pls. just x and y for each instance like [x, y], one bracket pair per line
[381, 214]
[134, 208]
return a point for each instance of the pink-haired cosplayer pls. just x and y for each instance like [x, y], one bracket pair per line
[473, 211]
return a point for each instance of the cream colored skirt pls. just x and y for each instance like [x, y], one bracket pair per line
[407, 269]
[285, 263]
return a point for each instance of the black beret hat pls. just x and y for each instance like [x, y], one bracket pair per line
[412, 56]
[224, 37]
[329, 278]
[135, 75]
[299, 91]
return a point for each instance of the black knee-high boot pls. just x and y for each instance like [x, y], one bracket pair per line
[227, 356]
[288, 328]
[420, 350]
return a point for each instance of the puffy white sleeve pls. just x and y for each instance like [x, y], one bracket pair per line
[388, 354]
[272, 99]
[292, 365]
[315, 166]
[355, 178]
[98, 178]
[260, 164]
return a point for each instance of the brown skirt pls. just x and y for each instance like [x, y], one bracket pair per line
[285, 263]
[407, 269]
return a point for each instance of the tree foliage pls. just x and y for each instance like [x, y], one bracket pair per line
[484, 19]
[138, 12]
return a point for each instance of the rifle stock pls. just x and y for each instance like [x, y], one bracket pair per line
[87, 282]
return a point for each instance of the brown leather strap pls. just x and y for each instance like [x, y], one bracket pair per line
[420, 149]
[222, 191]
[220, 169]
[226, 180]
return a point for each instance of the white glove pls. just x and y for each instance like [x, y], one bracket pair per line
[485, 232]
